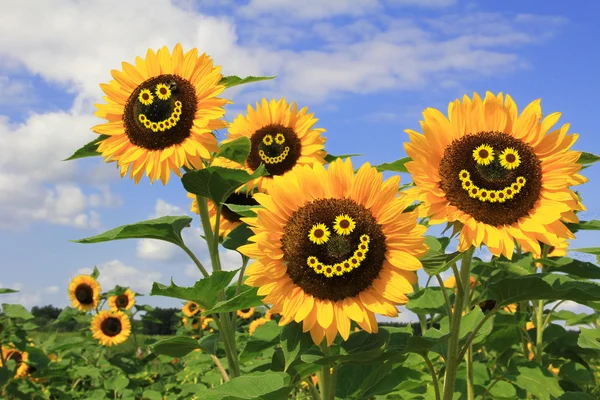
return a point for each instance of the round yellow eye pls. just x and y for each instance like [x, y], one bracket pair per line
[343, 224]
[483, 154]
[510, 158]
[319, 234]
[145, 97]
[268, 140]
[279, 138]
[162, 91]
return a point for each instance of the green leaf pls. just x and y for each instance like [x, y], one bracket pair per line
[400, 378]
[176, 346]
[503, 390]
[576, 373]
[163, 228]
[203, 292]
[16, 311]
[237, 237]
[542, 287]
[576, 396]
[244, 211]
[95, 273]
[395, 166]
[589, 338]
[437, 263]
[6, 291]
[429, 301]
[351, 376]
[246, 299]
[294, 342]
[89, 150]
[237, 150]
[537, 381]
[588, 158]
[577, 268]
[210, 343]
[590, 250]
[218, 183]
[233, 80]
[151, 395]
[403, 342]
[572, 319]
[593, 225]
[248, 386]
[468, 324]
[116, 383]
[269, 332]
[329, 158]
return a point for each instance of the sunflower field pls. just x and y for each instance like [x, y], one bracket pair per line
[327, 246]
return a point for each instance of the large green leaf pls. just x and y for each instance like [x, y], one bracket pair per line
[351, 376]
[210, 343]
[16, 311]
[588, 158]
[503, 390]
[571, 267]
[237, 237]
[537, 381]
[589, 338]
[218, 183]
[234, 80]
[593, 225]
[244, 211]
[576, 373]
[176, 346]
[329, 158]
[163, 228]
[237, 150]
[203, 292]
[116, 383]
[589, 250]
[294, 342]
[249, 386]
[247, 298]
[468, 324]
[400, 378]
[542, 287]
[576, 396]
[395, 166]
[403, 342]
[89, 150]
[429, 301]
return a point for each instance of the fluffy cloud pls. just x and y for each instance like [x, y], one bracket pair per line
[115, 272]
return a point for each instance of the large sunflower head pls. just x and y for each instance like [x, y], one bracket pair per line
[331, 247]
[229, 220]
[498, 175]
[123, 301]
[161, 113]
[19, 357]
[246, 313]
[84, 292]
[281, 137]
[111, 327]
[190, 309]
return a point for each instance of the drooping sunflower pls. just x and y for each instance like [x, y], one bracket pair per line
[191, 309]
[281, 137]
[84, 292]
[161, 113]
[498, 176]
[205, 323]
[123, 301]
[246, 313]
[331, 247]
[111, 328]
[193, 322]
[255, 324]
[20, 357]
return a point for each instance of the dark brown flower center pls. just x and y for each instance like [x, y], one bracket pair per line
[111, 326]
[122, 301]
[245, 310]
[16, 356]
[160, 112]
[84, 294]
[491, 193]
[238, 199]
[338, 252]
[279, 152]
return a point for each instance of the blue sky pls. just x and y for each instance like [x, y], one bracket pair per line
[366, 68]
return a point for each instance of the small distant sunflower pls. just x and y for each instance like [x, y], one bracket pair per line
[123, 301]
[191, 309]
[269, 315]
[20, 357]
[255, 324]
[325, 281]
[229, 220]
[246, 313]
[84, 292]
[281, 137]
[205, 323]
[500, 177]
[192, 322]
[161, 113]
[111, 328]
[529, 325]
[450, 283]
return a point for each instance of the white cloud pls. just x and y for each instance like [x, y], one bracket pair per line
[308, 9]
[52, 289]
[27, 298]
[115, 272]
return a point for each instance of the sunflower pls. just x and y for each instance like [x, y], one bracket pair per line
[229, 220]
[111, 327]
[255, 324]
[161, 113]
[84, 292]
[529, 325]
[246, 313]
[205, 323]
[20, 357]
[191, 309]
[281, 137]
[498, 176]
[269, 315]
[450, 283]
[193, 322]
[323, 280]
[123, 301]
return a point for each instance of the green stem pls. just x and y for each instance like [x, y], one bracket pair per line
[326, 378]
[436, 384]
[547, 320]
[313, 389]
[446, 298]
[205, 219]
[239, 285]
[487, 390]
[201, 268]
[470, 384]
[474, 333]
[462, 293]
[220, 367]
[539, 340]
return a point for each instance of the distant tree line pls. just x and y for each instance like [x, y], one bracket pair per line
[155, 321]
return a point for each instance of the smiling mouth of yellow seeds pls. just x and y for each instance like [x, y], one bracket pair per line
[491, 176]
